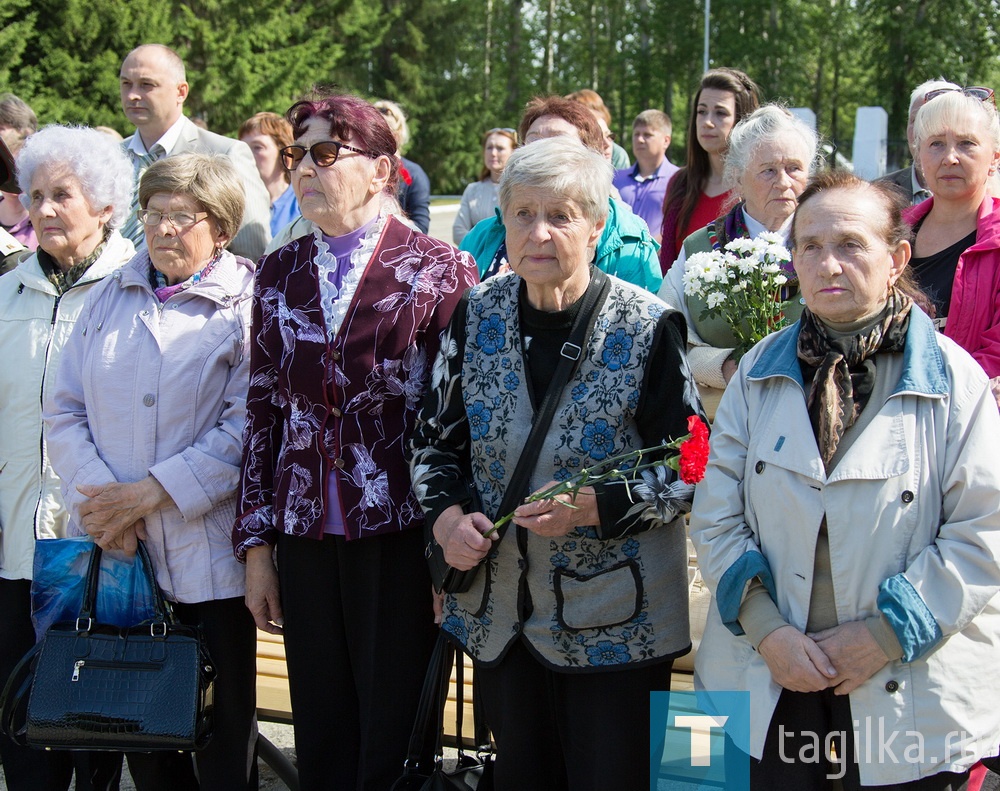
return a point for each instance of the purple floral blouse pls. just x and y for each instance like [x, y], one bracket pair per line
[343, 405]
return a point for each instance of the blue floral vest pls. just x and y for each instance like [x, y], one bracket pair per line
[595, 603]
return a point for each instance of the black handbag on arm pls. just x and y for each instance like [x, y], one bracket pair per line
[92, 686]
[473, 770]
[451, 580]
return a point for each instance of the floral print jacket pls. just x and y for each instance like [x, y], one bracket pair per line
[339, 396]
[603, 595]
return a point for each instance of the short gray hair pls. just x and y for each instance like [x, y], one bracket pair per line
[765, 125]
[95, 159]
[210, 179]
[564, 166]
[950, 111]
[918, 93]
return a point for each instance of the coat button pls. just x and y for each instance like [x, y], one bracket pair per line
[759, 467]
[339, 463]
[149, 399]
[906, 496]
[522, 564]
[891, 685]
[335, 412]
[335, 355]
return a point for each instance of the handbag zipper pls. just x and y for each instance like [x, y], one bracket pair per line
[104, 665]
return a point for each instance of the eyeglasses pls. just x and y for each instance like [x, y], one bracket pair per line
[323, 154]
[178, 219]
[976, 92]
[506, 129]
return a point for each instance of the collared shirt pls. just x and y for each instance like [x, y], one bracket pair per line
[645, 194]
[920, 192]
[167, 141]
[24, 232]
[283, 210]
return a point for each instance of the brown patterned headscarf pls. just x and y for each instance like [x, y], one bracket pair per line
[844, 368]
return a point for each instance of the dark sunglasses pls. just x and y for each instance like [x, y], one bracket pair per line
[976, 92]
[323, 154]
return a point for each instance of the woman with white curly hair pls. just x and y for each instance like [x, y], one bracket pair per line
[77, 186]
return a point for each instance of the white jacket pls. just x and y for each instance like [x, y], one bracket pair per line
[913, 514]
[35, 323]
[150, 388]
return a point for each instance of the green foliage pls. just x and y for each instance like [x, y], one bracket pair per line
[459, 67]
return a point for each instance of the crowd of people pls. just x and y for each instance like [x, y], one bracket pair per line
[249, 355]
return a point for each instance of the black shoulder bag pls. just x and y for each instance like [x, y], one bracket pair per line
[92, 686]
[451, 580]
[473, 771]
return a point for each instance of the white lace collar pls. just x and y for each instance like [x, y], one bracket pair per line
[335, 302]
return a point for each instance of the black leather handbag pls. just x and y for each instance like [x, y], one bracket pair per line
[92, 686]
[449, 579]
[473, 770]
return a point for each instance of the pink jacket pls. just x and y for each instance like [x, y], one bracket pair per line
[146, 388]
[974, 312]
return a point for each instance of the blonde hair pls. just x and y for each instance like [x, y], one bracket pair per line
[396, 118]
[956, 111]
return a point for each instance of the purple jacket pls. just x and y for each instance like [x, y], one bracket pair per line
[344, 406]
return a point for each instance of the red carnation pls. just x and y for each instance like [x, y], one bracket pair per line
[694, 451]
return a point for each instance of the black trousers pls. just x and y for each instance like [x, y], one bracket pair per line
[559, 731]
[25, 768]
[229, 762]
[359, 630]
[804, 714]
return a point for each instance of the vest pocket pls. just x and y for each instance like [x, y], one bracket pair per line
[592, 601]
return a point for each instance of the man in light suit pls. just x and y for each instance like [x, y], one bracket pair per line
[910, 180]
[153, 90]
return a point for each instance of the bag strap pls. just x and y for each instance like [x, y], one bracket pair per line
[428, 723]
[569, 360]
[13, 700]
[163, 612]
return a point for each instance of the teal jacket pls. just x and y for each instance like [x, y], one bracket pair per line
[625, 249]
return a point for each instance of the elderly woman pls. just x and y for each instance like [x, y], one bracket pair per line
[346, 323]
[479, 201]
[578, 613]
[144, 430]
[267, 134]
[771, 154]
[625, 248]
[77, 187]
[956, 248]
[849, 523]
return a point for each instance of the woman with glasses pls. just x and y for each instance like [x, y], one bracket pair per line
[145, 426]
[480, 199]
[77, 187]
[346, 324]
[956, 245]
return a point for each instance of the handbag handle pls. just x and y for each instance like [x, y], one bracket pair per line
[163, 614]
[428, 724]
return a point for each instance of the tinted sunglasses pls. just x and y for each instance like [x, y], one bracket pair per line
[323, 154]
[976, 92]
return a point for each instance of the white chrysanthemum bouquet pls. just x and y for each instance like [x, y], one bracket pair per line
[745, 283]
